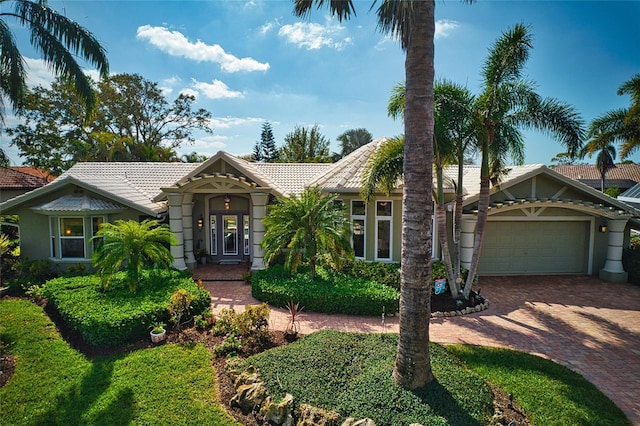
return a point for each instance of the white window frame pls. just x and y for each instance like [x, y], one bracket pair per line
[246, 234]
[61, 237]
[363, 217]
[380, 218]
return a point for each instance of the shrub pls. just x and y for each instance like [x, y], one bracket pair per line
[329, 292]
[117, 315]
[179, 306]
[252, 325]
[380, 272]
[32, 272]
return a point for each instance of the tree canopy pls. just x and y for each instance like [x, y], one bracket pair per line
[133, 121]
[304, 145]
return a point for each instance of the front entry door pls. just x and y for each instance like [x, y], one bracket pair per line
[230, 236]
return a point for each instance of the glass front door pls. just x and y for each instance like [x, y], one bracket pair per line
[229, 236]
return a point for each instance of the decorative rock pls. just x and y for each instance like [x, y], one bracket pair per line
[249, 396]
[309, 415]
[363, 422]
[248, 376]
[278, 413]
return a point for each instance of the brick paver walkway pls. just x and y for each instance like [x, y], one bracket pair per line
[588, 325]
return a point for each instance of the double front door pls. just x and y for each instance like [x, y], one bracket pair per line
[229, 236]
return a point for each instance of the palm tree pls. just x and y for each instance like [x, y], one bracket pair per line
[59, 40]
[305, 228]
[506, 103]
[133, 244]
[414, 24]
[353, 139]
[453, 138]
[606, 153]
[5, 161]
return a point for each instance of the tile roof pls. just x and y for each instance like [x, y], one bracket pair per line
[589, 171]
[11, 178]
[78, 203]
[346, 173]
[292, 178]
[34, 172]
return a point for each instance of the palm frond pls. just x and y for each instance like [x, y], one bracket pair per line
[342, 9]
[384, 168]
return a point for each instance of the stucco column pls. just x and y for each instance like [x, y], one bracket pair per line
[467, 238]
[175, 223]
[187, 227]
[259, 211]
[613, 270]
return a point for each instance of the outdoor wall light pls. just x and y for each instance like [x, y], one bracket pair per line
[200, 222]
[227, 202]
[603, 228]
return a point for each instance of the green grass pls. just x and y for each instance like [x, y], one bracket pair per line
[351, 373]
[549, 393]
[54, 384]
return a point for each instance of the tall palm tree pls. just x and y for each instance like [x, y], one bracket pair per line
[134, 245]
[414, 24]
[58, 39]
[453, 139]
[508, 102]
[305, 228]
[606, 153]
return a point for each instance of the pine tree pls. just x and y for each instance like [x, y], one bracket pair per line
[268, 144]
[257, 155]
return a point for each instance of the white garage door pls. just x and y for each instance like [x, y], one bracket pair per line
[535, 248]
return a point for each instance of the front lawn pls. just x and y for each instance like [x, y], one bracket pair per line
[54, 384]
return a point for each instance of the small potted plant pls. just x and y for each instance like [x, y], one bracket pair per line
[158, 332]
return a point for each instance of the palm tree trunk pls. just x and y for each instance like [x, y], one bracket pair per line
[413, 366]
[457, 221]
[443, 236]
[481, 221]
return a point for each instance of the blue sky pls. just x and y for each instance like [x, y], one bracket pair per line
[252, 61]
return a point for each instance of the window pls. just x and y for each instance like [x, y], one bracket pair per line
[96, 222]
[384, 231]
[245, 220]
[214, 235]
[72, 237]
[359, 226]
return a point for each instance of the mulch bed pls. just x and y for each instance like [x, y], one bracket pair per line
[508, 411]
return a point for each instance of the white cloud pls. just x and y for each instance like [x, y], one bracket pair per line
[175, 43]
[312, 36]
[216, 90]
[228, 122]
[445, 27]
[190, 92]
[38, 73]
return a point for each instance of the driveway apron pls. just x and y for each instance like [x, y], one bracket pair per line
[582, 322]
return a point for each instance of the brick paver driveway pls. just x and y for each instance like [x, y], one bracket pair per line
[581, 322]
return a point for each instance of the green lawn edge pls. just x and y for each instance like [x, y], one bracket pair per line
[55, 384]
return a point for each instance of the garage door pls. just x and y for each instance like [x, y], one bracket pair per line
[535, 248]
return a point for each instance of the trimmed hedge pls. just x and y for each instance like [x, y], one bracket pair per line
[117, 315]
[330, 292]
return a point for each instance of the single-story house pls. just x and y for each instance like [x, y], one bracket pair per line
[540, 221]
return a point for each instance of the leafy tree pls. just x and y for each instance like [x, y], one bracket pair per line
[563, 158]
[305, 146]
[133, 122]
[193, 157]
[413, 23]
[506, 103]
[5, 161]
[353, 139]
[305, 228]
[134, 246]
[59, 40]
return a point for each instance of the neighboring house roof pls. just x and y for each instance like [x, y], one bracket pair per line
[589, 172]
[10, 178]
[34, 172]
